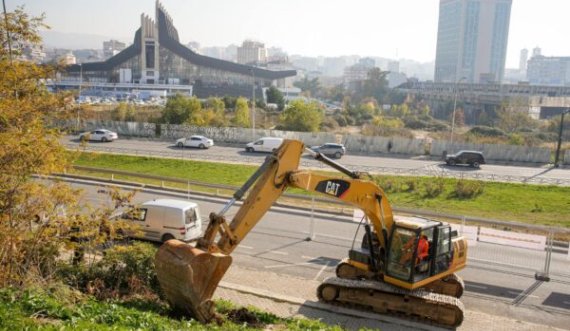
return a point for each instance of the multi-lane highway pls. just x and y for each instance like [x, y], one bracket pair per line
[279, 244]
[374, 164]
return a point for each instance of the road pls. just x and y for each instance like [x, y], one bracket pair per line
[279, 244]
[372, 164]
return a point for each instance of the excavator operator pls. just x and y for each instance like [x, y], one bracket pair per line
[422, 253]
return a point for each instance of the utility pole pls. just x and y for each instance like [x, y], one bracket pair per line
[560, 131]
[453, 114]
[253, 104]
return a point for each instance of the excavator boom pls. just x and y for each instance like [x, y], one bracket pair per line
[189, 275]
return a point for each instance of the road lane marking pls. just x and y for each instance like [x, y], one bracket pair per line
[246, 247]
[278, 252]
[321, 271]
[477, 286]
[309, 257]
[276, 266]
[525, 295]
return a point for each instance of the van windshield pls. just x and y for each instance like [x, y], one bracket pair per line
[191, 216]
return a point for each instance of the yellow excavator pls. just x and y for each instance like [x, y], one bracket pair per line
[405, 266]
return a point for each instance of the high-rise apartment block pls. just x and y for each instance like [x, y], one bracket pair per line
[251, 52]
[472, 40]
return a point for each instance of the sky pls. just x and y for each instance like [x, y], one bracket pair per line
[397, 29]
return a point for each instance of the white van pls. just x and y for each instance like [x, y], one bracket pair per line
[265, 144]
[164, 219]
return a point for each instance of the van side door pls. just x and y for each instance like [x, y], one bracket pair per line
[152, 225]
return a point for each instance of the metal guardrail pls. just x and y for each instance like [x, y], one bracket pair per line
[426, 172]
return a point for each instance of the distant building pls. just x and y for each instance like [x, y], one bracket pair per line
[472, 40]
[157, 59]
[394, 66]
[333, 66]
[68, 59]
[252, 52]
[523, 59]
[357, 72]
[536, 51]
[546, 70]
[194, 45]
[112, 48]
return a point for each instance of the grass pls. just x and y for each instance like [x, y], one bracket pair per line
[534, 204]
[61, 308]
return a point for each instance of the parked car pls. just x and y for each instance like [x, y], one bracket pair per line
[195, 141]
[330, 150]
[265, 144]
[99, 135]
[472, 158]
[164, 219]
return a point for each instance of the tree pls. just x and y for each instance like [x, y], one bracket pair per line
[512, 120]
[241, 118]
[302, 116]
[375, 85]
[28, 148]
[309, 87]
[38, 218]
[180, 109]
[275, 96]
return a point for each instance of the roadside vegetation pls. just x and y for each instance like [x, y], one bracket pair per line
[534, 204]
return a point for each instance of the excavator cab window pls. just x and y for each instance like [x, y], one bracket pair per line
[443, 253]
[401, 253]
[410, 254]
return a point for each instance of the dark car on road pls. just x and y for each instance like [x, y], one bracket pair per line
[330, 150]
[472, 158]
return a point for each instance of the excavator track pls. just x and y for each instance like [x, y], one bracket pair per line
[384, 298]
[451, 285]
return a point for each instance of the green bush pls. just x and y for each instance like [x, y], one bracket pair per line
[411, 184]
[486, 131]
[123, 270]
[467, 189]
[433, 188]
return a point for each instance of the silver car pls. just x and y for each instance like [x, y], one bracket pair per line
[195, 141]
[102, 135]
[330, 150]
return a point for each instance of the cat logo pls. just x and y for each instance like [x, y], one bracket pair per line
[334, 187]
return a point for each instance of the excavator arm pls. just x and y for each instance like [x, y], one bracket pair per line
[189, 275]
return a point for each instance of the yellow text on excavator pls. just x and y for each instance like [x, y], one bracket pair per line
[405, 265]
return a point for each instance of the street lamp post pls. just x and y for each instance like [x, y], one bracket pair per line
[80, 83]
[560, 131]
[453, 114]
[253, 104]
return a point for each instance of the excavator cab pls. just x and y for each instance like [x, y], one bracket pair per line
[420, 250]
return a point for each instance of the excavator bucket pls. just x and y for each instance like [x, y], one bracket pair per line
[189, 276]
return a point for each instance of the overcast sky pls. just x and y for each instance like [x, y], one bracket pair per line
[387, 28]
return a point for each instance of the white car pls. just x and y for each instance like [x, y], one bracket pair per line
[99, 135]
[195, 141]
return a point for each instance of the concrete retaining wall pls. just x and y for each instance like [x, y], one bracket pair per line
[493, 152]
[355, 143]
